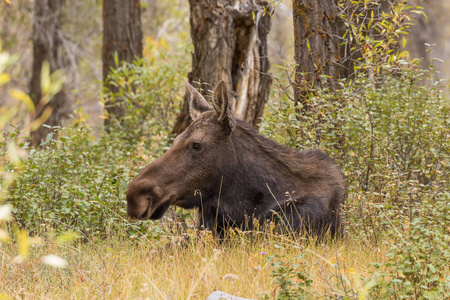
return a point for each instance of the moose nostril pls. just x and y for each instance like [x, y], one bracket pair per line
[141, 197]
[143, 216]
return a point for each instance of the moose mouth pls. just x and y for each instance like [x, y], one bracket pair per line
[159, 211]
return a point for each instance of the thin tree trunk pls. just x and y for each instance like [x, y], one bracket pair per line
[47, 46]
[230, 44]
[317, 29]
[122, 35]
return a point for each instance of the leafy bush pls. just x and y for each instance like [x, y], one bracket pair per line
[150, 91]
[291, 278]
[388, 129]
[419, 257]
[73, 183]
[81, 183]
[391, 137]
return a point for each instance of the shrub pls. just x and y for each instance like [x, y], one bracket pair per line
[390, 135]
[419, 257]
[73, 183]
[79, 181]
[290, 276]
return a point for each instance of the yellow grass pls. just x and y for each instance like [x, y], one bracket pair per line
[114, 269]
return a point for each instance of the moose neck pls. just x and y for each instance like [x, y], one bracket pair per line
[262, 176]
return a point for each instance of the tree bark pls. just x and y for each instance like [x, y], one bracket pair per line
[47, 46]
[230, 44]
[122, 35]
[317, 31]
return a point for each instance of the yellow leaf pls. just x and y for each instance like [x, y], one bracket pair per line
[67, 237]
[45, 77]
[6, 115]
[57, 80]
[4, 236]
[21, 96]
[4, 296]
[8, 1]
[163, 43]
[4, 78]
[41, 120]
[23, 242]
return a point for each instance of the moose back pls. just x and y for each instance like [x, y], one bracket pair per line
[232, 174]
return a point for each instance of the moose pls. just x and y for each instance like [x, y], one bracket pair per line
[232, 174]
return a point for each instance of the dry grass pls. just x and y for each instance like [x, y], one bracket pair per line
[115, 269]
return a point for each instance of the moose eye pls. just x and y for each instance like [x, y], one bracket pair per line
[197, 146]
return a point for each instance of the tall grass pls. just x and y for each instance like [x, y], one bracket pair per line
[145, 269]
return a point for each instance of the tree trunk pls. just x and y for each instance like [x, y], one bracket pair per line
[317, 29]
[47, 46]
[230, 44]
[122, 35]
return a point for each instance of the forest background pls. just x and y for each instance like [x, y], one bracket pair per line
[64, 230]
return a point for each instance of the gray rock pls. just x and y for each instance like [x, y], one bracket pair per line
[218, 295]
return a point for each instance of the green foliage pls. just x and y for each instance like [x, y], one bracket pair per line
[388, 128]
[80, 182]
[150, 91]
[76, 183]
[419, 258]
[13, 166]
[290, 276]
[373, 32]
[391, 136]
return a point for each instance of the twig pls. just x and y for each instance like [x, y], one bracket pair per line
[321, 270]
[101, 291]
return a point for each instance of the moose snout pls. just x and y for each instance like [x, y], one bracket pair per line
[137, 207]
[141, 198]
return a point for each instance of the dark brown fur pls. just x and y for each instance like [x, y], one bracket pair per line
[231, 173]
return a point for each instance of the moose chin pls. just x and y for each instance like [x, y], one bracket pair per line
[230, 173]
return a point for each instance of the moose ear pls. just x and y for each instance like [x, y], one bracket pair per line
[197, 104]
[224, 106]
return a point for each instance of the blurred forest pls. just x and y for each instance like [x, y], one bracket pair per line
[166, 26]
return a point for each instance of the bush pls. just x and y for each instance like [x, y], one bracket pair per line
[390, 136]
[419, 257]
[151, 93]
[75, 183]
[79, 182]
[291, 278]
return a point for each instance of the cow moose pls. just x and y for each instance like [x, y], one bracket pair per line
[232, 174]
